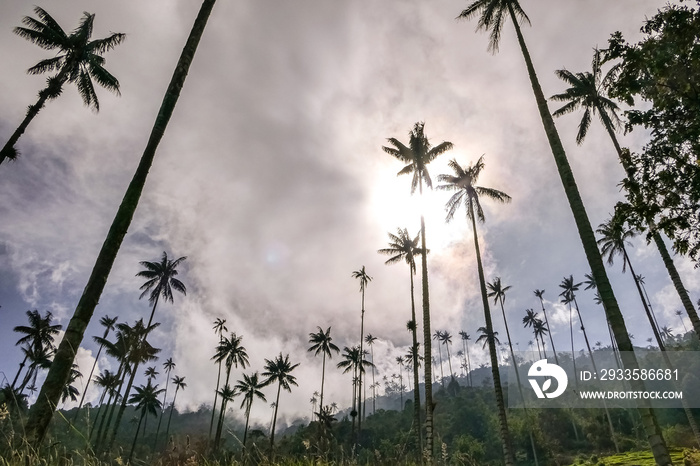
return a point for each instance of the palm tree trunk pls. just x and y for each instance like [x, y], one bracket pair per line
[247, 418]
[323, 380]
[133, 444]
[551, 339]
[170, 417]
[274, 423]
[469, 365]
[449, 361]
[502, 418]
[8, 150]
[122, 407]
[416, 382]
[362, 357]
[658, 240]
[442, 374]
[427, 345]
[213, 407]
[42, 411]
[21, 366]
[220, 423]
[590, 246]
[162, 411]
[87, 384]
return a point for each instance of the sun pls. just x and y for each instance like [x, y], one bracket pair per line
[392, 206]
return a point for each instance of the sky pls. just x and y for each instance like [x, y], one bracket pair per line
[272, 182]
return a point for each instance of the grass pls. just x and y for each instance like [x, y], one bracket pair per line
[681, 457]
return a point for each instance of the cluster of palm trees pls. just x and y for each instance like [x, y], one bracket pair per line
[231, 353]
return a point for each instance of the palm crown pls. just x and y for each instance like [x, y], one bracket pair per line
[493, 16]
[402, 247]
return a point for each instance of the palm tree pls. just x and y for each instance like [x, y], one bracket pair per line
[364, 279]
[249, 387]
[369, 339]
[108, 323]
[540, 294]
[42, 411]
[227, 393]
[417, 155]
[540, 329]
[492, 16]
[146, 399]
[588, 91]
[79, 61]
[399, 361]
[168, 365]
[160, 281]
[438, 336]
[139, 351]
[39, 334]
[350, 362]
[679, 313]
[402, 247]
[468, 193]
[233, 354]
[151, 373]
[465, 339]
[321, 343]
[279, 370]
[220, 328]
[446, 339]
[70, 391]
[529, 321]
[109, 382]
[180, 384]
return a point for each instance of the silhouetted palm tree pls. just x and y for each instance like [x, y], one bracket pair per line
[540, 294]
[39, 334]
[180, 384]
[279, 370]
[402, 247]
[529, 321]
[438, 337]
[364, 279]
[41, 412]
[417, 155]
[146, 399]
[249, 387]
[233, 354]
[109, 382]
[468, 193]
[446, 339]
[369, 339]
[70, 391]
[220, 328]
[465, 339]
[168, 365]
[78, 60]
[492, 15]
[321, 343]
[160, 281]
[108, 323]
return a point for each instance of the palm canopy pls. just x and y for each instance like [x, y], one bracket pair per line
[569, 287]
[530, 318]
[39, 332]
[146, 398]
[485, 336]
[613, 239]
[161, 279]
[498, 291]
[250, 387]
[402, 247]
[588, 91]
[464, 182]
[361, 275]
[493, 16]
[417, 155]
[78, 60]
[321, 343]
[279, 370]
[231, 352]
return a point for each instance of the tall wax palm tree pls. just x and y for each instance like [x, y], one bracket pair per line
[39, 358]
[465, 339]
[402, 247]
[146, 399]
[588, 91]
[529, 321]
[613, 242]
[180, 384]
[38, 334]
[249, 387]
[108, 323]
[151, 373]
[492, 15]
[168, 366]
[468, 193]
[438, 337]
[540, 295]
[399, 361]
[160, 281]
[640, 279]
[78, 61]
[279, 370]
[679, 313]
[42, 411]
[417, 155]
[233, 354]
[497, 291]
[227, 393]
[370, 339]
[109, 382]
[140, 351]
[540, 329]
[446, 339]
[220, 328]
[350, 363]
[364, 279]
[70, 391]
[321, 342]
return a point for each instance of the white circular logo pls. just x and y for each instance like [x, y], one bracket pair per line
[542, 368]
